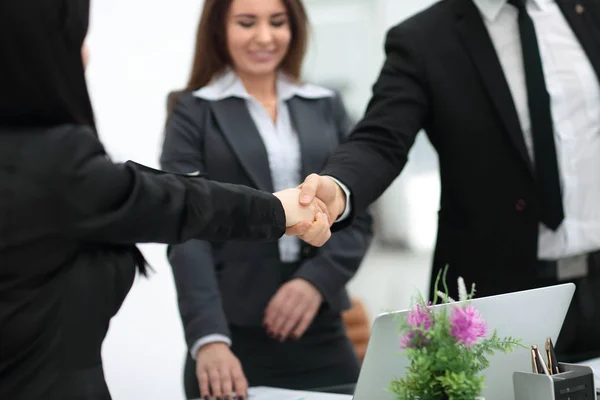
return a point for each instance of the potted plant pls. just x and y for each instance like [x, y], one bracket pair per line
[447, 348]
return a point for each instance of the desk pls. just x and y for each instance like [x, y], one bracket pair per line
[349, 389]
[332, 393]
[598, 397]
[340, 389]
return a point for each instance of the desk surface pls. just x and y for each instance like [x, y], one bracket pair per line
[341, 392]
[348, 397]
[268, 393]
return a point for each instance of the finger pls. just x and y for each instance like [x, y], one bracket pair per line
[240, 382]
[309, 189]
[204, 384]
[322, 239]
[215, 381]
[271, 310]
[275, 314]
[305, 322]
[274, 307]
[318, 234]
[321, 205]
[292, 321]
[226, 382]
[316, 229]
[325, 227]
[299, 229]
[277, 325]
[286, 314]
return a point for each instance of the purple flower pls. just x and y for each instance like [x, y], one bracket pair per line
[467, 325]
[419, 318]
[406, 340]
[413, 340]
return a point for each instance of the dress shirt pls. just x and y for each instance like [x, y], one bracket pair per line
[575, 107]
[281, 143]
[347, 193]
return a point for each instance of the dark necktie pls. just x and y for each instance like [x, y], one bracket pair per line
[544, 151]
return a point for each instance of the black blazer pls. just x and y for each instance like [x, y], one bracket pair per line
[237, 279]
[442, 74]
[68, 220]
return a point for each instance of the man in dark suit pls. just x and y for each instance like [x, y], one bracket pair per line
[508, 94]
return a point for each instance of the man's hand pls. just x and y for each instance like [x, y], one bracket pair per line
[310, 220]
[220, 373]
[328, 191]
[292, 309]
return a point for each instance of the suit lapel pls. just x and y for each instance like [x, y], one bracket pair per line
[239, 129]
[310, 127]
[475, 36]
[584, 19]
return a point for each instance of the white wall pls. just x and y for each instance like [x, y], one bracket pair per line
[407, 211]
[140, 50]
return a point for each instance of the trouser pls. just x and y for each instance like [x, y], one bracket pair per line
[579, 338]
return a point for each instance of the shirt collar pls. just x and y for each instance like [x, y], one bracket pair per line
[228, 84]
[490, 9]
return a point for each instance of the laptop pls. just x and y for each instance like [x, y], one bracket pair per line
[531, 315]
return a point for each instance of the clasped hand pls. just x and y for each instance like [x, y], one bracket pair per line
[312, 208]
[309, 220]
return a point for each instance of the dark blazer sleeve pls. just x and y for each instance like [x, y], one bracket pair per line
[338, 260]
[378, 147]
[126, 203]
[199, 298]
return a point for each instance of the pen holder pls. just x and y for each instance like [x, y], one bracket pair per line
[574, 382]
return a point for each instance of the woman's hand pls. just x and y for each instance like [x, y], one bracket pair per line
[220, 373]
[311, 221]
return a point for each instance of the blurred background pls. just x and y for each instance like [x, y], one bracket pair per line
[140, 51]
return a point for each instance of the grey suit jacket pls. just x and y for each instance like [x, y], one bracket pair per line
[223, 283]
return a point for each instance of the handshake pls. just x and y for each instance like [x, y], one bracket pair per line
[312, 207]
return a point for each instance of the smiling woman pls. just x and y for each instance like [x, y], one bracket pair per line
[246, 117]
[232, 24]
[258, 40]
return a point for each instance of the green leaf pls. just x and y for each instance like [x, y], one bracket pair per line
[436, 286]
[441, 365]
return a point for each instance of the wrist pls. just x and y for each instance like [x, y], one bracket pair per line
[313, 288]
[212, 345]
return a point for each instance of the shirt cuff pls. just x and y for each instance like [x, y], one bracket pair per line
[347, 192]
[212, 338]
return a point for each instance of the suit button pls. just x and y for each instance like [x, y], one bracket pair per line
[520, 205]
[10, 169]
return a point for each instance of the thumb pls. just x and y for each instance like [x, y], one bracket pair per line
[309, 189]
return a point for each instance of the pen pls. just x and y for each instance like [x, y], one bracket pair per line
[552, 361]
[534, 366]
[538, 364]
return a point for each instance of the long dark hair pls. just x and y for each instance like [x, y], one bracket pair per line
[211, 55]
[42, 79]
